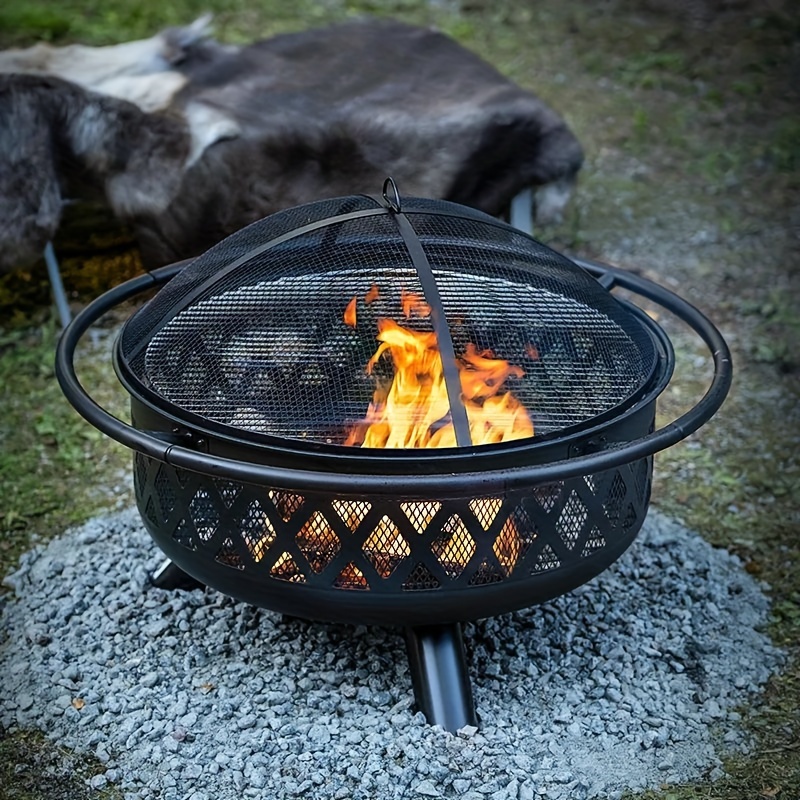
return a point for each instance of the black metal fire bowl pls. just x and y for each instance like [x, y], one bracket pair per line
[422, 539]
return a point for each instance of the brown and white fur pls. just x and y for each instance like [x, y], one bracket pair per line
[234, 134]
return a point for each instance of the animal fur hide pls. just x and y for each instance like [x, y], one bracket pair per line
[189, 140]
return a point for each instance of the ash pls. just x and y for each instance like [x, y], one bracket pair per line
[627, 683]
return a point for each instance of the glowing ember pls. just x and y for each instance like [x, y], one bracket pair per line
[413, 305]
[414, 410]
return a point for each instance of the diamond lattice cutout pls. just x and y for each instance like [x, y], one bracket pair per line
[547, 496]
[167, 499]
[525, 528]
[317, 542]
[150, 511]
[616, 494]
[570, 524]
[454, 546]
[591, 483]
[485, 574]
[507, 547]
[420, 513]
[351, 512]
[258, 532]
[351, 577]
[546, 560]
[228, 556]
[140, 472]
[204, 515]
[286, 569]
[286, 503]
[183, 477]
[630, 517]
[595, 542]
[184, 535]
[228, 490]
[486, 510]
[420, 579]
[385, 547]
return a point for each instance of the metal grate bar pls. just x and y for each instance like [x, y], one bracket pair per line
[452, 378]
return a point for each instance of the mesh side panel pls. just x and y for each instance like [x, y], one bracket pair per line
[454, 547]
[318, 542]
[393, 547]
[385, 547]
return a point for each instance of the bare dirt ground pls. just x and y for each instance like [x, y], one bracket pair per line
[689, 115]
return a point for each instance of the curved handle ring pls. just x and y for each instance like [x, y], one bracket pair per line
[478, 483]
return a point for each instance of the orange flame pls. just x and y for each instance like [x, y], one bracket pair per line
[411, 411]
[413, 304]
[350, 313]
[414, 410]
[532, 352]
[372, 295]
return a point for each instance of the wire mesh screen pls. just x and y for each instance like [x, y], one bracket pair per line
[289, 327]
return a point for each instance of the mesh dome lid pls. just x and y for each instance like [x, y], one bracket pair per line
[358, 323]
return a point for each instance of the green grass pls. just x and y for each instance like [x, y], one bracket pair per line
[54, 467]
[33, 768]
[97, 22]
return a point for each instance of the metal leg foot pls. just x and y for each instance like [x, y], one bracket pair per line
[57, 285]
[521, 212]
[439, 675]
[171, 576]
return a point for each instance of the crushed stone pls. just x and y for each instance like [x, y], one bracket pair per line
[627, 683]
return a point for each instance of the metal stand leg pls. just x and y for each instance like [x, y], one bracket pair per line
[171, 576]
[439, 675]
[57, 285]
[521, 212]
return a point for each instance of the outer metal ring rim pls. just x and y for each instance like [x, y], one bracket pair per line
[502, 479]
[372, 460]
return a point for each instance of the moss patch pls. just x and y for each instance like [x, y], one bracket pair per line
[32, 768]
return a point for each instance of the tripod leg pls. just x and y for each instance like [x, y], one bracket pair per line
[439, 674]
[171, 576]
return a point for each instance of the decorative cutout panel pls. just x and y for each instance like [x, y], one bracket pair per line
[420, 514]
[286, 569]
[351, 512]
[572, 521]
[454, 547]
[351, 577]
[286, 504]
[357, 546]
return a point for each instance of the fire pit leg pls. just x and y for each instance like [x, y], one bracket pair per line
[171, 576]
[439, 675]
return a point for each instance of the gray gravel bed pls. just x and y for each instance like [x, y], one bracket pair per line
[629, 682]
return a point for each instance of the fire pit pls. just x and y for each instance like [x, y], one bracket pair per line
[368, 411]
